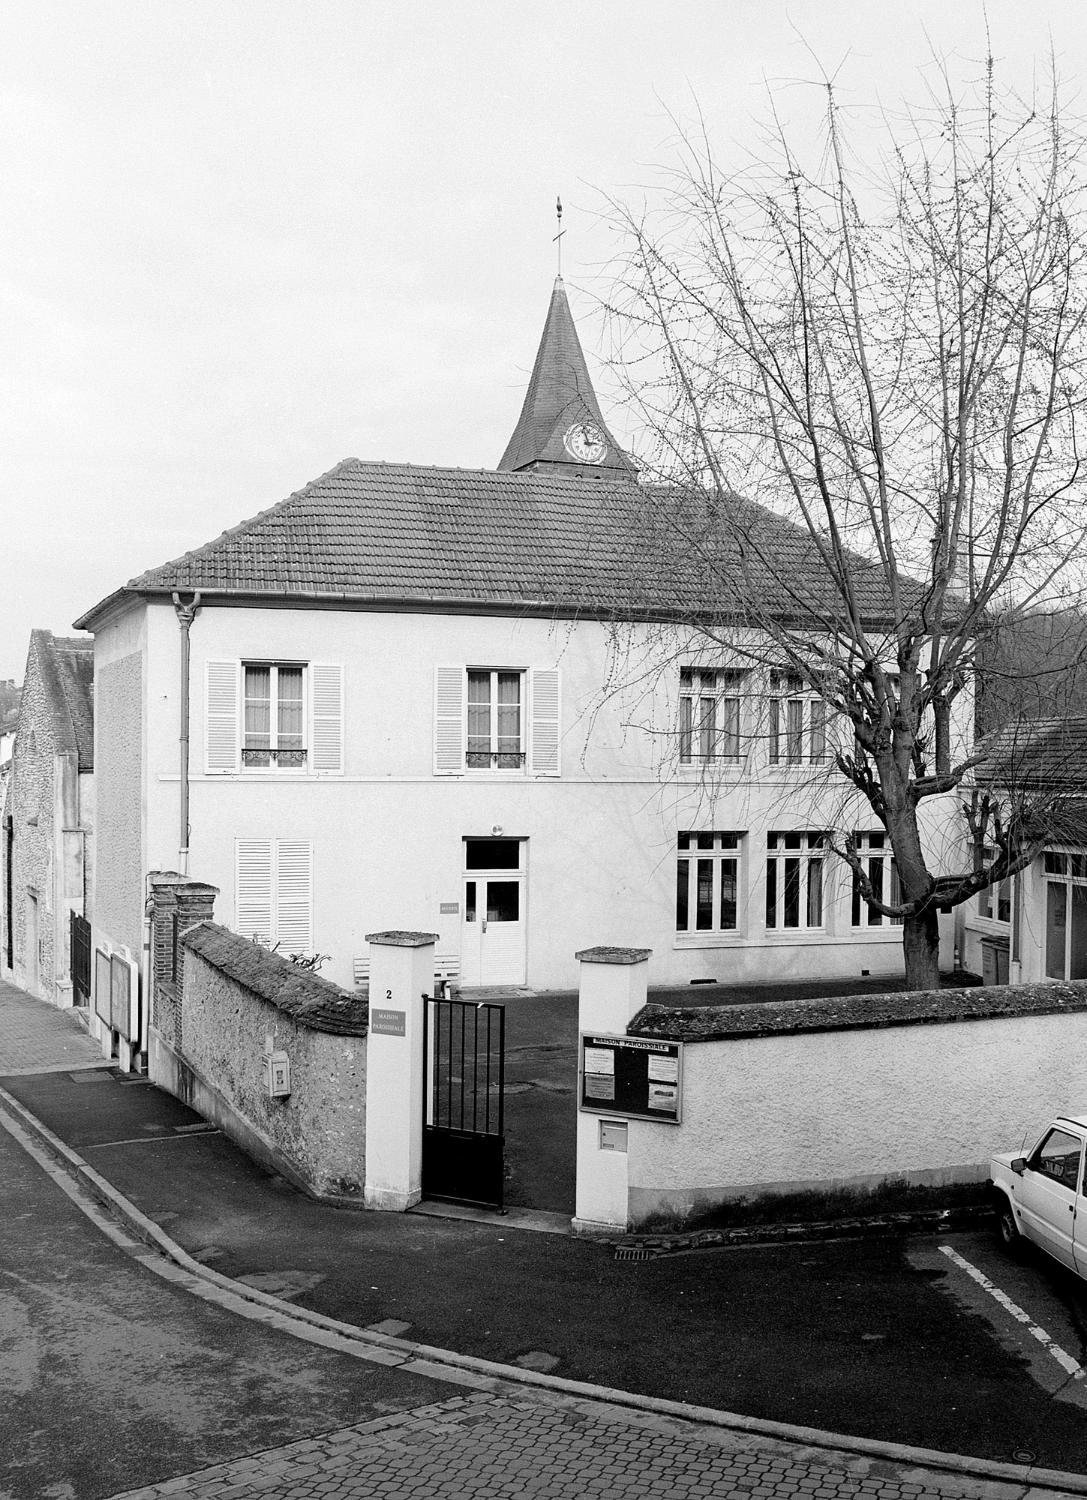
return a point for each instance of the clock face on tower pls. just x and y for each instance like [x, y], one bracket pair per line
[586, 443]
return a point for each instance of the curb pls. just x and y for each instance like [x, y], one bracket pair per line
[871, 1226]
[488, 1374]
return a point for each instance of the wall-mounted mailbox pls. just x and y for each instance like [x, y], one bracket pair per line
[613, 1135]
[277, 1074]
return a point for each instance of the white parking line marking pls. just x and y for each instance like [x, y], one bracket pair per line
[1064, 1359]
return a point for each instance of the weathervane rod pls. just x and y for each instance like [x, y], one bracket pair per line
[558, 237]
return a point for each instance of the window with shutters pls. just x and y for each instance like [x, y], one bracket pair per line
[274, 893]
[264, 717]
[709, 716]
[496, 720]
[708, 881]
[798, 722]
[273, 715]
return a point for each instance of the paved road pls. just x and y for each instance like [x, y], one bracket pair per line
[123, 1373]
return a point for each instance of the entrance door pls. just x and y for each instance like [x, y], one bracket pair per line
[493, 936]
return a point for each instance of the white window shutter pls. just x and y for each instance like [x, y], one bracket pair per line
[546, 724]
[294, 895]
[221, 718]
[449, 708]
[253, 890]
[326, 696]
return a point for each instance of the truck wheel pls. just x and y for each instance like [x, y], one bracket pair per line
[1008, 1229]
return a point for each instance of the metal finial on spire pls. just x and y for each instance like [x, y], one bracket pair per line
[558, 237]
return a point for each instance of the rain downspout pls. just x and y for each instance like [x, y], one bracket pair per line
[186, 614]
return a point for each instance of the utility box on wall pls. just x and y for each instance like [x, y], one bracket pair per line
[277, 1074]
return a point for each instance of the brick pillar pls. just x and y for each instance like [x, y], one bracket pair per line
[177, 904]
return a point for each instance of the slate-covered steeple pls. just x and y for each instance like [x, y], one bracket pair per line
[560, 429]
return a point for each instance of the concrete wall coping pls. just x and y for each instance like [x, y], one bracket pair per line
[402, 939]
[303, 996]
[765, 1018]
[613, 955]
[172, 878]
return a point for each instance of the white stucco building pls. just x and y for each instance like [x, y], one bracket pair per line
[392, 701]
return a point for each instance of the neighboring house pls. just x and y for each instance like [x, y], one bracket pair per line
[382, 704]
[9, 718]
[1034, 925]
[46, 860]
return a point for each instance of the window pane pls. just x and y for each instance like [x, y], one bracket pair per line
[492, 854]
[1004, 901]
[470, 901]
[289, 734]
[794, 710]
[858, 902]
[729, 869]
[771, 893]
[706, 725]
[479, 718]
[875, 875]
[258, 705]
[1054, 863]
[815, 893]
[775, 731]
[1056, 929]
[503, 900]
[683, 841]
[704, 898]
[705, 840]
[729, 738]
[818, 713]
[685, 725]
[683, 875]
[1058, 1157]
[509, 719]
[791, 894]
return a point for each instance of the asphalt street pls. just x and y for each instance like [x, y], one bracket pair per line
[880, 1338]
[111, 1377]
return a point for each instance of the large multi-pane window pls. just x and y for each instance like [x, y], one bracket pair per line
[794, 880]
[874, 850]
[708, 881]
[709, 715]
[1066, 913]
[274, 715]
[495, 720]
[798, 722]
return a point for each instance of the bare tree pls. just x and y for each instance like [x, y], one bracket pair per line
[885, 350]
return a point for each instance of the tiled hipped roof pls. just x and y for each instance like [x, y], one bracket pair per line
[368, 534]
[1049, 753]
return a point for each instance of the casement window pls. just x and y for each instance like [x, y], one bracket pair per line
[874, 850]
[496, 720]
[274, 893]
[794, 880]
[709, 715]
[708, 881]
[273, 716]
[995, 901]
[798, 722]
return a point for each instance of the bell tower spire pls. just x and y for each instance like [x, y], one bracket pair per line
[560, 429]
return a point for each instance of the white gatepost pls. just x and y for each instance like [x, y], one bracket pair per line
[611, 990]
[401, 975]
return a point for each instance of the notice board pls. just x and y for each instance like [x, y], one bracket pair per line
[635, 1076]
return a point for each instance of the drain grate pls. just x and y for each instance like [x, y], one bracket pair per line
[631, 1252]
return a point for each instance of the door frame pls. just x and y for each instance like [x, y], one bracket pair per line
[519, 874]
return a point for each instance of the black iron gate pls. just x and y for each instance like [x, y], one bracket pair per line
[81, 960]
[463, 1118]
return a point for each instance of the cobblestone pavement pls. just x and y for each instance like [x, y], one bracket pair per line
[484, 1447]
[36, 1037]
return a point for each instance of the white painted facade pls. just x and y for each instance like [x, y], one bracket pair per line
[585, 832]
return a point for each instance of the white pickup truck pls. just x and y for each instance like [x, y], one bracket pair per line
[1040, 1197]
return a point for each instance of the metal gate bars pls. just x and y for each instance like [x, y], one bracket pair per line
[80, 959]
[463, 1118]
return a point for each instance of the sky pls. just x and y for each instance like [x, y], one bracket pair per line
[242, 240]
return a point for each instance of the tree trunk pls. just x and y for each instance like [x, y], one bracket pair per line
[921, 949]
